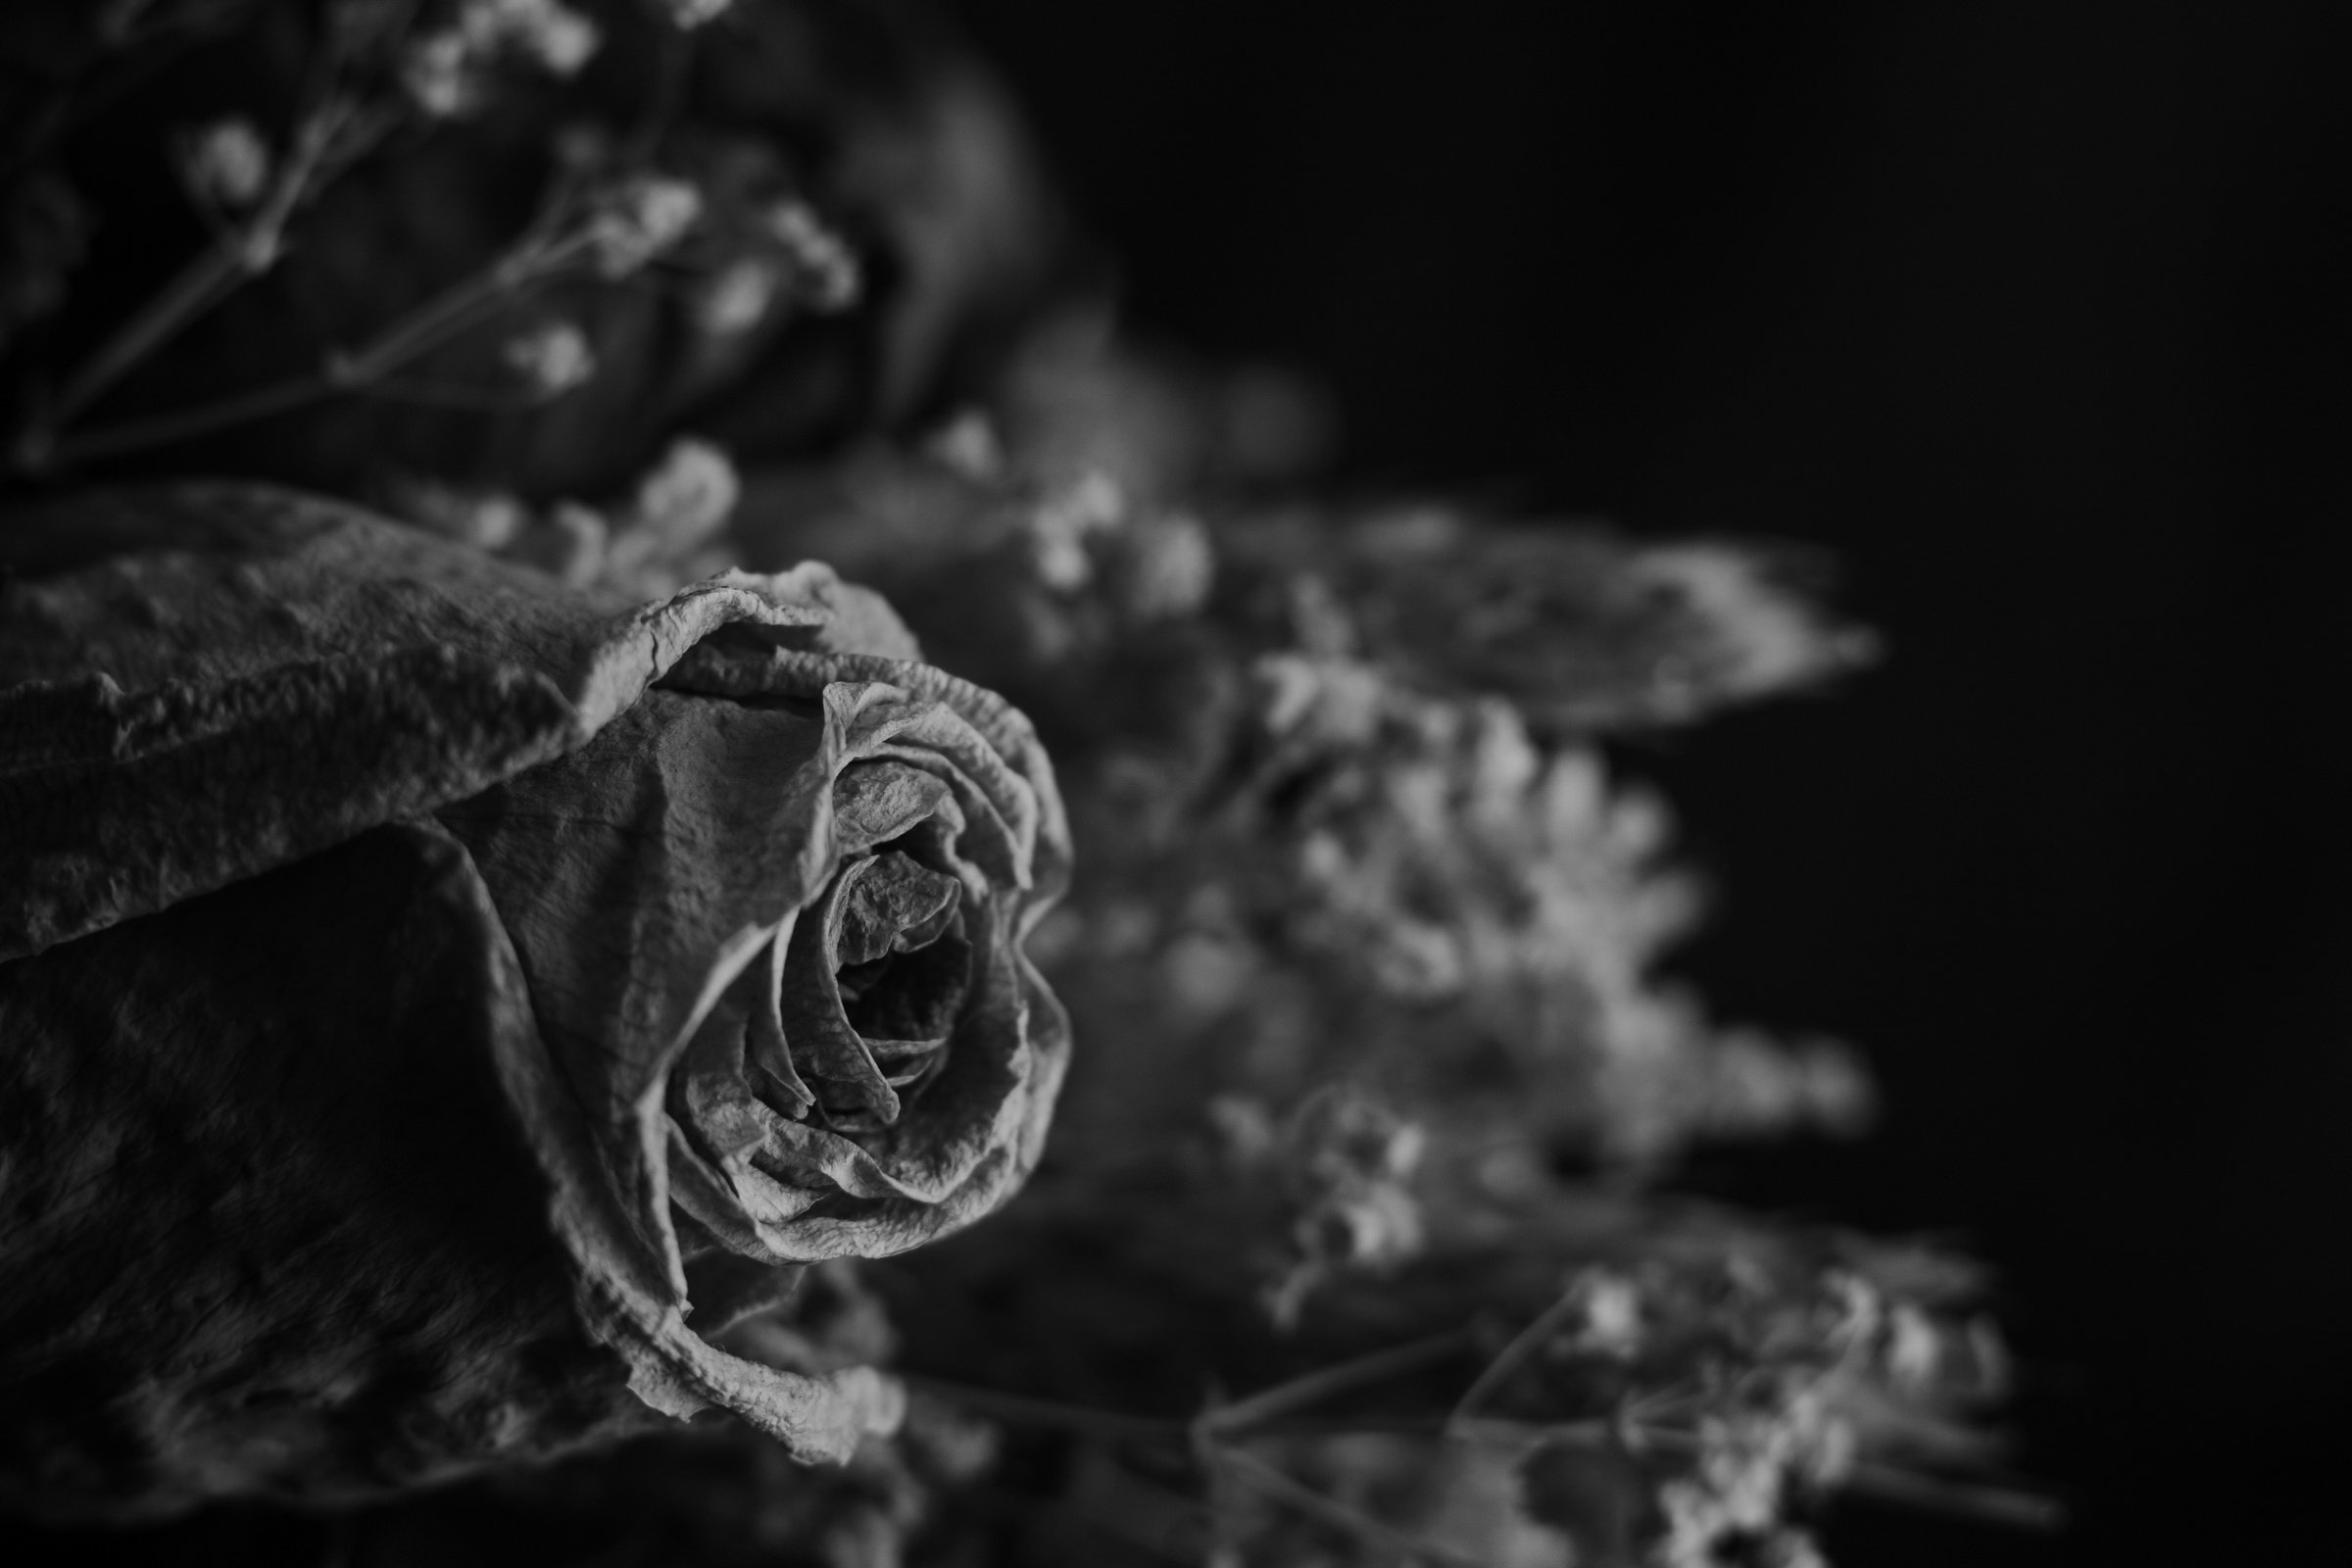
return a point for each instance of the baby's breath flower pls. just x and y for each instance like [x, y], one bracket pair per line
[547, 33]
[487, 520]
[689, 495]
[1612, 1306]
[567, 541]
[1061, 524]
[443, 70]
[1914, 1347]
[969, 445]
[826, 266]
[227, 162]
[737, 296]
[438, 71]
[638, 219]
[552, 358]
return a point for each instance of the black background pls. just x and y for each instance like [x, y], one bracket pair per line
[2034, 315]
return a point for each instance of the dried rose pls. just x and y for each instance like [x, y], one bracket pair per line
[366, 905]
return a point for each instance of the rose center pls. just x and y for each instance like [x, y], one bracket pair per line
[873, 984]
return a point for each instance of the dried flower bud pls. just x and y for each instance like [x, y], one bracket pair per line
[225, 164]
[551, 359]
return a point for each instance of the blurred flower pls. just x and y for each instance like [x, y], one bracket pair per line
[1612, 1312]
[662, 536]
[551, 359]
[486, 520]
[567, 543]
[637, 219]
[547, 33]
[689, 494]
[225, 164]
[736, 298]
[1347, 1162]
[440, 74]
[1060, 527]
[824, 264]
[445, 70]
[970, 446]
[1160, 567]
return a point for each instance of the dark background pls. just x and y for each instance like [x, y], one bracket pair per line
[2036, 316]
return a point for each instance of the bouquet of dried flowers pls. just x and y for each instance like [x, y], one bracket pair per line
[501, 954]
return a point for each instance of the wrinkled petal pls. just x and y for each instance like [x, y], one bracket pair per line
[291, 672]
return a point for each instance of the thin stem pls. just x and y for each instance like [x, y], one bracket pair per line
[1330, 1510]
[1593, 1429]
[1523, 1345]
[203, 284]
[1377, 1367]
[136, 434]
[214, 274]
[1021, 1409]
[1994, 1504]
[363, 370]
[460, 306]
[670, 70]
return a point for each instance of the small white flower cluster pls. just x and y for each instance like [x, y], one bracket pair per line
[794, 257]
[662, 535]
[736, 298]
[637, 219]
[551, 359]
[1347, 1163]
[824, 269]
[226, 164]
[445, 70]
[490, 520]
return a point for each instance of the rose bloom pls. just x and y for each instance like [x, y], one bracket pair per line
[441, 1005]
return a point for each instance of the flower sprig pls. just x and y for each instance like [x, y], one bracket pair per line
[606, 231]
[604, 223]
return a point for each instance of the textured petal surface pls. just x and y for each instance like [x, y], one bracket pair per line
[269, 1221]
[286, 671]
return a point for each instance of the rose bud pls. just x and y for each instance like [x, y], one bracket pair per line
[437, 1005]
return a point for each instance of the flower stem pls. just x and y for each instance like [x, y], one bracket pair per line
[1325, 1382]
[1307, 1499]
[1022, 1410]
[1523, 1345]
[364, 369]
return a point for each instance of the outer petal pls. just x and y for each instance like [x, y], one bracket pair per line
[200, 682]
[266, 1219]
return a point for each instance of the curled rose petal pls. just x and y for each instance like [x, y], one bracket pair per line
[726, 979]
